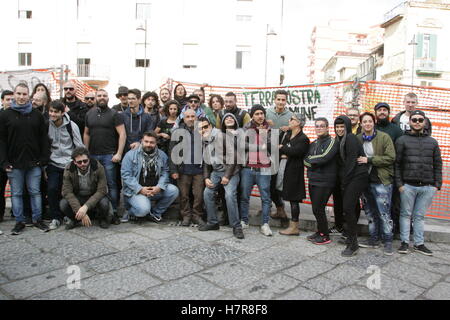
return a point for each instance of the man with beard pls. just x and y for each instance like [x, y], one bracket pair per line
[145, 174]
[122, 95]
[76, 109]
[418, 175]
[242, 116]
[89, 100]
[84, 191]
[105, 138]
[39, 102]
[164, 96]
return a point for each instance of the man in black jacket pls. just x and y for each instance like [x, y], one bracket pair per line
[418, 175]
[76, 109]
[322, 175]
[23, 151]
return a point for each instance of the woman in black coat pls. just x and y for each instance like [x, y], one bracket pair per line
[294, 147]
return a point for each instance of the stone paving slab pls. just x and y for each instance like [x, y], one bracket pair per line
[118, 284]
[345, 274]
[323, 285]
[212, 254]
[170, 267]
[125, 241]
[395, 289]
[232, 275]
[354, 293]
[268, 288]
[411, 274]
[432, 264]
[439, 292]
[188, 288]
[153, 233]
[272, 259]
[251, 243]
[63, 294]
[308, 269]
[301, 293]
[41, 283]
[214, 235]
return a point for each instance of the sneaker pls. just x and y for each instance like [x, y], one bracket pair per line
[350, 251]
[265, 230]
[28, 222]
[197, 220]
[369, 243]
[208, 227]
[344, 240]
[1, 232]
[104, 223]
[404, 248]
[312, 236]
[244, 225]
[423, 250]
[70, 224]
[388, 251]
[115, 219]
[54, 224]
[153, 217]
[125, 218]
[238, 233]
[41, 226]
[334, 231]
[18, 228]
[321, 239]
[186, 221]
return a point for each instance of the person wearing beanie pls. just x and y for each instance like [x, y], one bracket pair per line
[293, 149]
[382, 111]
[418, 175]
[257, 168]
[353, 177]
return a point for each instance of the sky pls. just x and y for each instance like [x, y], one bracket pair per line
[301, 16]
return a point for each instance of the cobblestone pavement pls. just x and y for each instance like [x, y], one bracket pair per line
[165, 261]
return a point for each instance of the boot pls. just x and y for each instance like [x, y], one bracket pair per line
[280, 214]
[352, 248]
[292, 230]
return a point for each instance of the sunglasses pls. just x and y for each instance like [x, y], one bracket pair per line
[89, 98]
[69, 89]
[194, 101]
[415, 120]
[85, 161]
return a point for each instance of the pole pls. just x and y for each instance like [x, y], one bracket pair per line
[412, 70]
[265, 70]
[61, 84]
[145, 57]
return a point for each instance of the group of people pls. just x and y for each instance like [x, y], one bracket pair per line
[80, 156]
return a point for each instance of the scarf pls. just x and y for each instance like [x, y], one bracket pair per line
[150, 161]
[23, 109]
[369, 138]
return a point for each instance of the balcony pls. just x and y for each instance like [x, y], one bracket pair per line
[394, 15]
[92, 74]
[427, 67]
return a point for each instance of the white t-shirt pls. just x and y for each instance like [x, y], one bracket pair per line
[404, 122]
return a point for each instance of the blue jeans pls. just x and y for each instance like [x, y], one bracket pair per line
[377, 205]
[111, 177]
[415, 202]
[230, 198]
[140, 205]
[32, 176]
[54, 187]
[262, 179]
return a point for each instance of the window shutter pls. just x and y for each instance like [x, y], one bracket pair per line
[419, 47]
[433, 47]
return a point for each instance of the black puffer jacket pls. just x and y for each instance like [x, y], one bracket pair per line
[77, 113]
[427, 129]
[418, 160]
[321, 162]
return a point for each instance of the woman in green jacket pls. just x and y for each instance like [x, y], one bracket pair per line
[380, 157]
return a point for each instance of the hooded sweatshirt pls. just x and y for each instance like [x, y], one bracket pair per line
[136, 125]
[62, 144]
[350, 149]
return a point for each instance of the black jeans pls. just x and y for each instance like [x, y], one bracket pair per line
[100, 211]
[338, 207]
[319, 198]
[275, 195]
[350, 196]
[295, 210]
[55, 182]
[3, 180]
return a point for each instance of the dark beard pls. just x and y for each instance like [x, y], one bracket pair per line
[149, 150]
[383, 122]
[102, 106]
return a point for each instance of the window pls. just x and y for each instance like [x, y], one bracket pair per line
[190, 55]
[243, 18]
[25, 11]
[242, 57]
[142, 54]
[83, 67]
[24, 54]
[426, 47]
[142, 11]
[426, 84]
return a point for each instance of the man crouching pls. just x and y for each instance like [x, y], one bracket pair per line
[85, 191]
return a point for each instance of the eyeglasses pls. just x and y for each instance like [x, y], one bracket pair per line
[69, 89]
[194, 101]
[84, 161]
[89, 98]
[320, 126]
[415, 120]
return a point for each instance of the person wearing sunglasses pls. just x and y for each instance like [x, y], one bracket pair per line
[418, 175]
[89, 100]
[193, 103]
[85, 191]
[76, 109]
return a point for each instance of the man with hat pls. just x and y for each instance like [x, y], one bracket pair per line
[193, 104]
[418, 175]
[122, 95]
[382, 110]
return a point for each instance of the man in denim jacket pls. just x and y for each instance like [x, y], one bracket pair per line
[145, 175]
